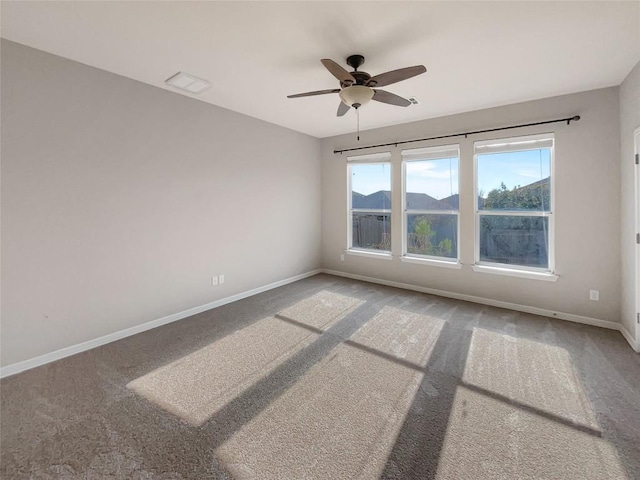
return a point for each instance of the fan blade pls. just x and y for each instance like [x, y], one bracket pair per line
[342, 109]
[390, 98]
[337, 71]
[317, 92]
[394, 76]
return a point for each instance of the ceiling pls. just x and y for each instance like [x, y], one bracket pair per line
[477, 54]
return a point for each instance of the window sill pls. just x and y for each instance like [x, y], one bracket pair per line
[511, 272]
[431, 262]
[370, 254]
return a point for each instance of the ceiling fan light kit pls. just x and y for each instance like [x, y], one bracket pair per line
[357, 88]
[356, 95]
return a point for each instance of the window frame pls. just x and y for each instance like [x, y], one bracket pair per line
[379, 158]
[416, 257]
[506, 267]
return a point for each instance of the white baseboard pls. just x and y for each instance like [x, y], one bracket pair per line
[112, 337]
[630, 339]
[484, 301]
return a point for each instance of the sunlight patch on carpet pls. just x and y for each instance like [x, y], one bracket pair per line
[521, 408]
[199, 384]
[495, 439]
[341, 419]
[321, 310]
[532, 373]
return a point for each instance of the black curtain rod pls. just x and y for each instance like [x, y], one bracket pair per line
[575, 118]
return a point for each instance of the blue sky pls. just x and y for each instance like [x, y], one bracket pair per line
[512, 168]
[439, 178]
[367, 179]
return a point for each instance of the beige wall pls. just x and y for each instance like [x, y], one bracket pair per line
[120, 200]
[629, 121]
[587, 213]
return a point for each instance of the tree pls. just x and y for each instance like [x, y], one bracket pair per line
[424, 240]
[423, 230]
[514, 238]
[530, 197]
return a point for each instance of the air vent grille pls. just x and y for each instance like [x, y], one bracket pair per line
[188, 83]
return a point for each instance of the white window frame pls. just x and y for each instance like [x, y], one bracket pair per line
[527, 142]
[414, 257]
[381, 158]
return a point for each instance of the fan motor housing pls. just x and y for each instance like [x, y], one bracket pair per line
[362, 78]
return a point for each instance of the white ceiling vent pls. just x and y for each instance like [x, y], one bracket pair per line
[188, 83]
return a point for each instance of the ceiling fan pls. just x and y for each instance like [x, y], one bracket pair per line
[358, 88]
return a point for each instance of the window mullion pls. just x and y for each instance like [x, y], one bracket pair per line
[369, 210]
[432, 212]
[514, 213]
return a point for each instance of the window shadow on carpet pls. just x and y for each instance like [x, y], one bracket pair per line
[332, 378]
[197, 385]
[498, 406]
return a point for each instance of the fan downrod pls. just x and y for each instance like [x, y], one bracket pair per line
[355, 61]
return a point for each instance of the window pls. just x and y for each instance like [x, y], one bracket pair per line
[370, 202]
[514, 203]
[431, 202]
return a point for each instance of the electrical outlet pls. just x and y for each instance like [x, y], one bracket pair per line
[221, 279]
[594, 295]
[214, 280]
[342, 258]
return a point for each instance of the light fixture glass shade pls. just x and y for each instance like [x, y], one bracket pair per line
[356, 95]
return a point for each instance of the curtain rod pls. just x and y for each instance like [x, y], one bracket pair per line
[575, 118]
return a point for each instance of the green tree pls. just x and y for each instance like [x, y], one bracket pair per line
[424, 240]
[423, 230]
[529, 197]
[444, 247]
[514, 238]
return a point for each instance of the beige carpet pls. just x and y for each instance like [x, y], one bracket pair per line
[330, 378]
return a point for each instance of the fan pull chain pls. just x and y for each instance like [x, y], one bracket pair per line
[358, 122]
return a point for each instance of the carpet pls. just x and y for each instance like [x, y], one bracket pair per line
[330, 378]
